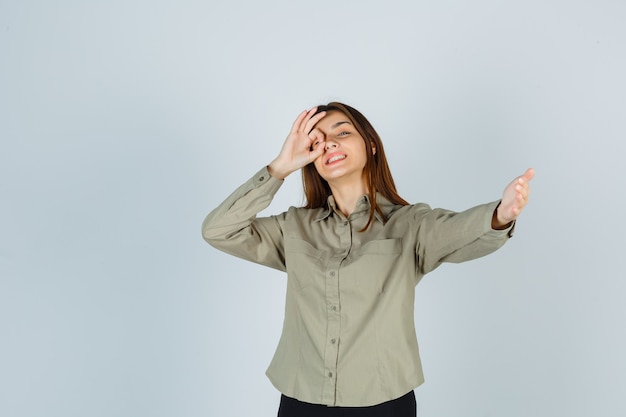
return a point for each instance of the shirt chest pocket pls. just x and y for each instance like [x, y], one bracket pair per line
[374, 264]
[304, 262]
[385, 247]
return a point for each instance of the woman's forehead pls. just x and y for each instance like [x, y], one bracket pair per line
[332, 120]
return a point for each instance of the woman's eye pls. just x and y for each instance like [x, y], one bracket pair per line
[343, 133]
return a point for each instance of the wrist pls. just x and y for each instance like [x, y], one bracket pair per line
[276, 171]
[497, 222]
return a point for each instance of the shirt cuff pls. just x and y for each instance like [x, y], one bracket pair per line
[509, 231]
[263, 178]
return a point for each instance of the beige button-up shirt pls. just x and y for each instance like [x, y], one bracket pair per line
[348, 336]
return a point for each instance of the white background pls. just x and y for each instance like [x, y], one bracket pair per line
[123, 123]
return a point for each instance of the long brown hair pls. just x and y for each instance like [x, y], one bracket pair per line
[378, 175]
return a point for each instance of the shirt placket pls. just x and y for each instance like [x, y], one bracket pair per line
[333, 308]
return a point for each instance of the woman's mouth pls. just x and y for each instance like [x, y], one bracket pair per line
[335, 158]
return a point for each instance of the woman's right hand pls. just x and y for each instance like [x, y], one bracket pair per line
[302, 146]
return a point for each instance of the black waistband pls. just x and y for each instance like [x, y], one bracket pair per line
[400, 407]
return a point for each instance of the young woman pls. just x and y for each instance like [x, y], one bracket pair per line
[353, 256]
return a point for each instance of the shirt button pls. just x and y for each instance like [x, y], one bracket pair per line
[261, 178]
[334, 308]
[345, 223]
[330, 374]
[332, 274]
[333, 341]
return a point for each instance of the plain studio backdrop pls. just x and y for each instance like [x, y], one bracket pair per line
[123, 123]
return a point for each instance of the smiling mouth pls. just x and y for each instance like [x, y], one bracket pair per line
[335, 159]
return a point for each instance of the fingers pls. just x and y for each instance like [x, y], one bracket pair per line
[515, 196]
[529, 174]
[313, 121]
[522, 183]
[307, 120]
[522, 187]
[295, 127]
[317, 139]
[522, 191]
[317, 149]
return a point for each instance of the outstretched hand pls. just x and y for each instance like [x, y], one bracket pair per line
[302, 146]
[514, 199]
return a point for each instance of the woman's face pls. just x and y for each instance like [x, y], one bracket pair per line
[344, 154]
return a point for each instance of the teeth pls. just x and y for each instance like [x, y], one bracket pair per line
[336, 158]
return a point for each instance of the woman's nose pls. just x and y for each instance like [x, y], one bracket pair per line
[330, 144]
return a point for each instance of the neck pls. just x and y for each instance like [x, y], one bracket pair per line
[347, 195]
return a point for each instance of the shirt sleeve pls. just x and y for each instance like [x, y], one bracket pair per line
[233, 227]
[447, 236]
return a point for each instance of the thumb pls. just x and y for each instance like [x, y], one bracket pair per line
[317, 150]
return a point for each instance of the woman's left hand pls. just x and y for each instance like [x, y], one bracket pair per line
[514, 199]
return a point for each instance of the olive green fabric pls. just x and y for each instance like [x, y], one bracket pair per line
[348, 336]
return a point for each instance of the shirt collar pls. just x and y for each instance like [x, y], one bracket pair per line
[363, 204]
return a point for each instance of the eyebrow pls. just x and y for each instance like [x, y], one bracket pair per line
[336, 125]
